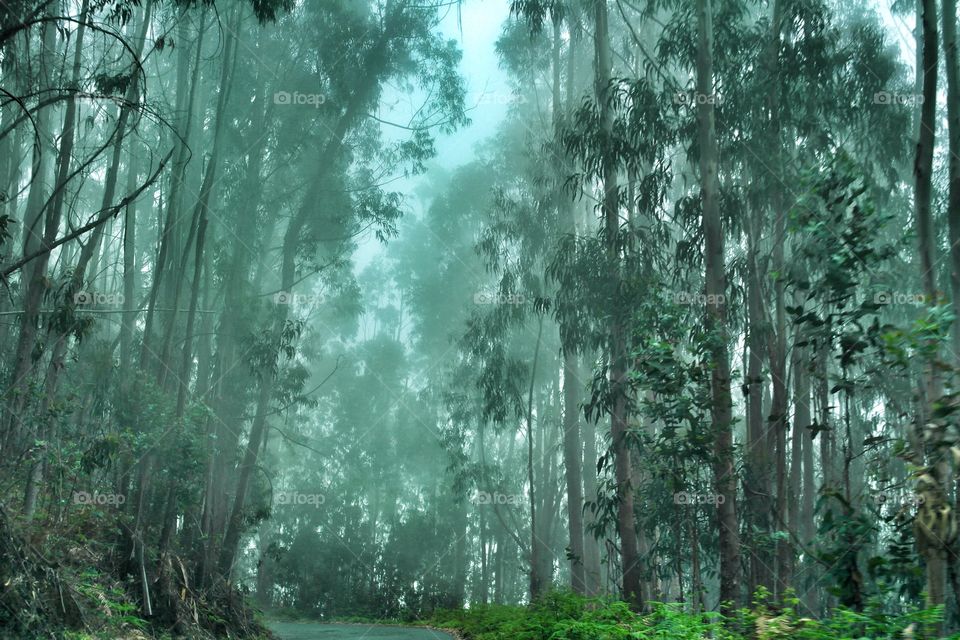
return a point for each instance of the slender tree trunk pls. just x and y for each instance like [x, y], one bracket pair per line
[923, 165]
[537, 585]
[64, 161]
[573, 465]
[201, 216]
[758, 481]
[721, 411]
[592, 568]
[591, 547]
[32, 280]
[801, 419]
[777, 346]
[500, 553]
[186, 98]
[129, 269]
[629, 560]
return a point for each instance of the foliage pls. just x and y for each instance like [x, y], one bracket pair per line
[565, 616]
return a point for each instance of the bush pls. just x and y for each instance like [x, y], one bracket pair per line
[566, 616]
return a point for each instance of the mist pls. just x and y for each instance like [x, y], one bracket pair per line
[483, 319]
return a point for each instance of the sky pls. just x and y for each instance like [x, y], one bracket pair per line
[488, 92]
[476, 30]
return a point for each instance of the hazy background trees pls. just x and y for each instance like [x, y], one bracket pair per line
[679, 330]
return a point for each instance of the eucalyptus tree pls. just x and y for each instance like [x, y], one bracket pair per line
[393, 45]
[715, 279]
[935, 522]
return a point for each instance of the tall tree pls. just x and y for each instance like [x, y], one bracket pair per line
[931, 536]
[618, 343]
[716, 288]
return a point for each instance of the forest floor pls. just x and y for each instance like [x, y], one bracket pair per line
[57, 582]
[564, 616]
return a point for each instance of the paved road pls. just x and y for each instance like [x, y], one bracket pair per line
[312, 631]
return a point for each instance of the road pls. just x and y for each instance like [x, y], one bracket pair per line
[313, 631]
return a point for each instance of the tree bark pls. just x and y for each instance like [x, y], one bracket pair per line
[537, 582]
[953, 123]
[33, 282]
[931, 541]
[618, 350]
[758, 480]
[715, 276]
[572, 462]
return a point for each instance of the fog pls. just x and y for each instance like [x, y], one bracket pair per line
[501, 318]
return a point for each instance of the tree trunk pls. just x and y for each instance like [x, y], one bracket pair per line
[64, 161]
[592, 568]
[33, 281]
[537, 585]
[930, 540]
[758, 481]
[187, 85]
[953, 122]
[618, 352]
[715, 276]
[572, 462]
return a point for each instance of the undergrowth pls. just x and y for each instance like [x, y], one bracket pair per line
[565, 616]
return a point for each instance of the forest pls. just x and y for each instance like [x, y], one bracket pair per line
[479, 319]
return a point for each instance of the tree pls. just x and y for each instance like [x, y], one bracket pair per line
[715, 279]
